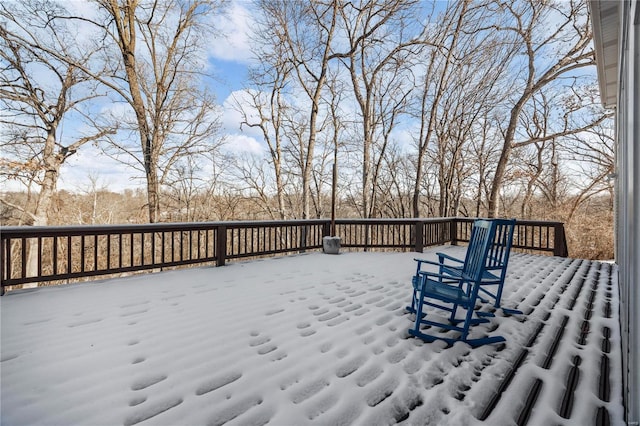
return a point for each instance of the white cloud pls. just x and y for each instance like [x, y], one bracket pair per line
[89, 161]
[236, 25]
[242, 143]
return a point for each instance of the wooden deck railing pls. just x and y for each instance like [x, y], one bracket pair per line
[57, 253]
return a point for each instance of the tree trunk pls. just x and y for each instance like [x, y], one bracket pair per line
[45, 201]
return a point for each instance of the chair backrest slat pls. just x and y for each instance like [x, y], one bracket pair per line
[481, 240]
[499, 252]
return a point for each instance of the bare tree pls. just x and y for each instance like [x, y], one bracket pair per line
[462, 82]
[39, 93]
[156, 63]
[485, 150]
[550, 53]
[266, 111]
[435, 83]
[303, 33]
[593, 151]
[382, 43]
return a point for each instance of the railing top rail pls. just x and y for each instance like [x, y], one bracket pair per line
[18, 231]
[147, 227]
[518, 221]
[394, 220]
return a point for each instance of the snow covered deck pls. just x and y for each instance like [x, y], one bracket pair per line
[309, 339]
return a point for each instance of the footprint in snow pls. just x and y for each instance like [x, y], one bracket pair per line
[377, 350]
[353, 307]
[326, 347]
[148, 411]
[145, 382]
[8, 357]
[306, 391]
[131, 305]
[277, 356]
[381, 391]
[383, 320]
[337, 321]
[321, 311]
[259, 340]
[217, 382]
[40, 321]
[363, 330]
[373, 300]
[329, 316]
[137, 312]
[265, 349]
[321, 405]
[369, 375]
[137, 401]
[397, 355]
[350, 366]
[86, 322]
[235, 410]
[307, 332]
[177, 296]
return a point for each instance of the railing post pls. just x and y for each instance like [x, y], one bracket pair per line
[326, 229]
[303, 239]
[453, 231]
[221, 246]
[3, 264]
[559, 241]
[418, 232]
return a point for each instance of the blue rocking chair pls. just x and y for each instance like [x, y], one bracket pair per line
[448, 292]
[496, 266]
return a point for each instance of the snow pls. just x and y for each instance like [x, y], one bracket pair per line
[305, 339]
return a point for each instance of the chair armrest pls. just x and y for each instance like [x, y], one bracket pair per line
[429, 262]
[443, 278]
[446, 256]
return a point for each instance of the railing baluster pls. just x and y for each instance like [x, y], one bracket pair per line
[95, 252]
[5, 254]
[69, 248]
[108, 251]
[23, 258]
[40, 256]
[82, 254]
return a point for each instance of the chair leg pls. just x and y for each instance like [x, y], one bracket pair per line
[419, 316]
[414, 298]
[452, 317]
[467, 323]
[498, 295]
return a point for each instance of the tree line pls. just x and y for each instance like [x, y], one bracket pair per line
[428, 108]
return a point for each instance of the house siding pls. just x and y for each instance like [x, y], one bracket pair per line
[628, 188]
